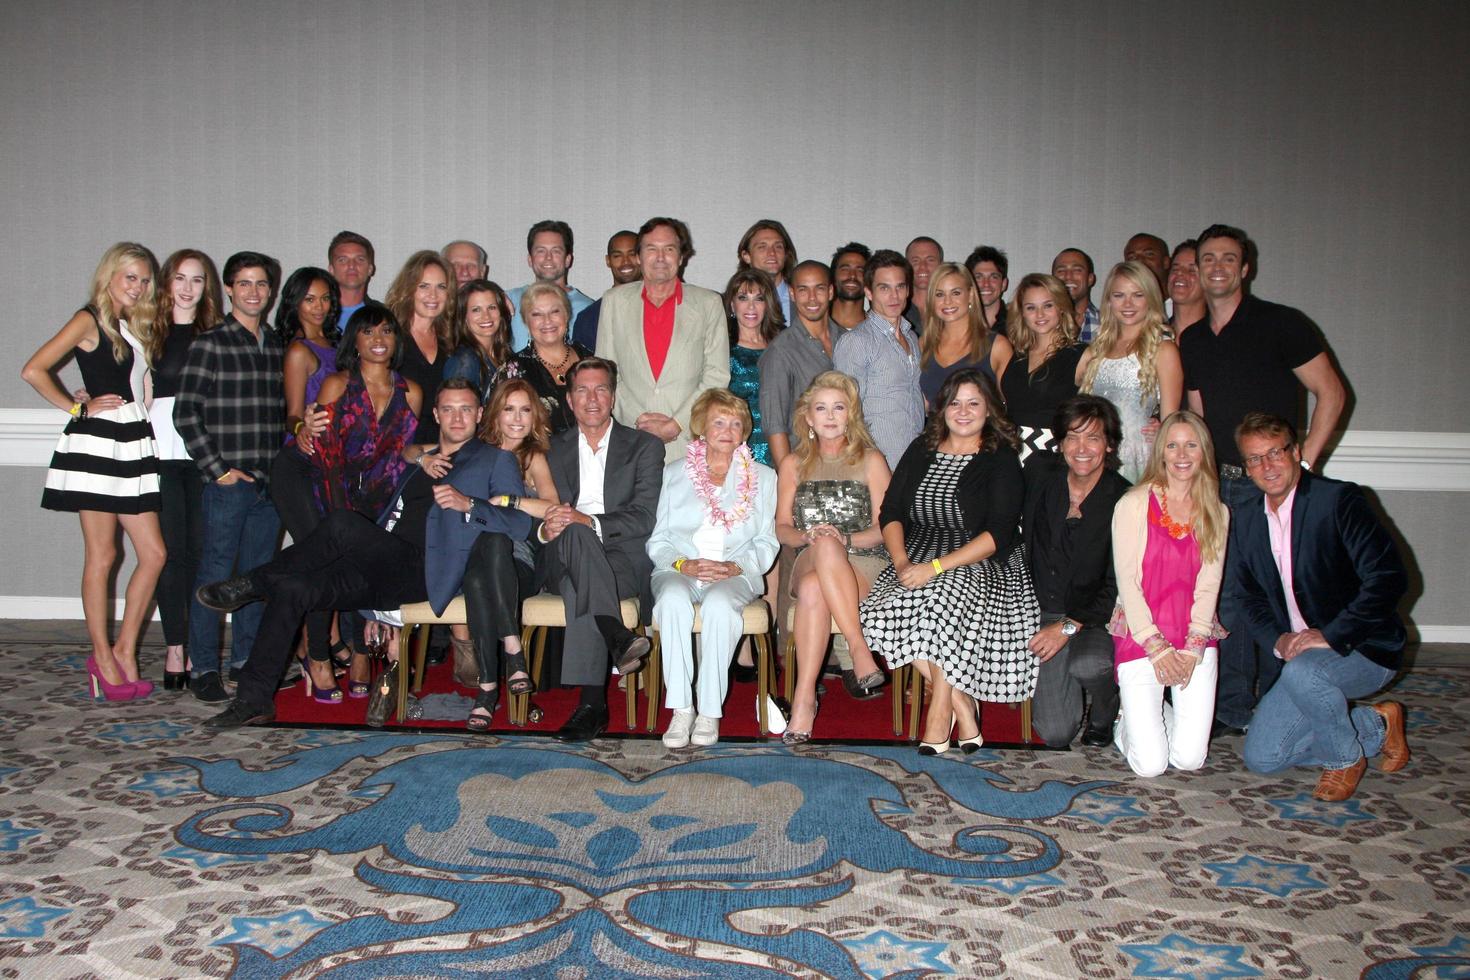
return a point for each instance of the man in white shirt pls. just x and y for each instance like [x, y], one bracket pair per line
[607, 476]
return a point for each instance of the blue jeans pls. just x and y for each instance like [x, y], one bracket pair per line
[1246, 671]
[1305, 720]
[241, 528]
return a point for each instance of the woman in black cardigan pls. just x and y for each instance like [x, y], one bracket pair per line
[957, 599]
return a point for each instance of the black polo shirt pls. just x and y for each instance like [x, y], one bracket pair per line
[1247, 367]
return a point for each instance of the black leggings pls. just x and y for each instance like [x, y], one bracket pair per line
[180, 487]
[494, 583]
[292, 477]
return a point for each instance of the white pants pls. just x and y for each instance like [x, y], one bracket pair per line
[721, 605]
[1153, 735]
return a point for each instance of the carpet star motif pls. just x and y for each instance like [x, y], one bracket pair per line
[167, 783]
[12, 837]
[1014, 886]
[1276, 877]
[1181, 958]
[209, 859]
[133, 733]
[883, 954]
[1304, 807]
[273, 935]
[1457, 947]
[25, 918]
[1105, 808]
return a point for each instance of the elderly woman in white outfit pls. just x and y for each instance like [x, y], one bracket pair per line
[714, 539]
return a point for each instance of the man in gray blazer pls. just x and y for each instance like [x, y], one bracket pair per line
[669, 339]
[608, 476]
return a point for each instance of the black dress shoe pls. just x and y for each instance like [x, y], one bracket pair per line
[850, 685]
[743, 673]
[1221, 730]
[230, 594]
[1097, 737]
[586, 723]
[239, 714]
[629, 653]
[207, 688]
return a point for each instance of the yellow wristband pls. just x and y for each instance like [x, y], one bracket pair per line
[76, 410]
[679, 564]
[938, 568]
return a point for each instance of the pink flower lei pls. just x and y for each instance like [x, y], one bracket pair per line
[696, 467]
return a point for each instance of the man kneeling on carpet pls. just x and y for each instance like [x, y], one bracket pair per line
[713, 542]
[607, 475]
[1318, 580]
[418, 549]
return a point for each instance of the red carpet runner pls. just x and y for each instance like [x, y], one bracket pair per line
[840, 718]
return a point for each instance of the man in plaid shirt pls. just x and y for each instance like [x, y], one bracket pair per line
[230, 412]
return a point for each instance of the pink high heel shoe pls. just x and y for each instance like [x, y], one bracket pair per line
[104, 691]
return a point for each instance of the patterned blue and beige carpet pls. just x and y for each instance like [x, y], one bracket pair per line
[132, 845]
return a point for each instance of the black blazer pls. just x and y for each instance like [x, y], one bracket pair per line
[989, 493]
[1347, 575]
[631, 484]
[1092, 587]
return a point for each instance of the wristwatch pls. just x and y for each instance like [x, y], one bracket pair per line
[1069, 627]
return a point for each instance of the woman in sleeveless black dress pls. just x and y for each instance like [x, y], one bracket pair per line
[105, 467]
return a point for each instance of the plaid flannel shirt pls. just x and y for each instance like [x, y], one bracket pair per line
[230, 407]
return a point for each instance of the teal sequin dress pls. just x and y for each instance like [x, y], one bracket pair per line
[745, 381]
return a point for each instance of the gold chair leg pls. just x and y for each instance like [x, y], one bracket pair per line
[1026, 721]
[420, 657]
[404, 659]
[654, 686]
[788, 664]
[630, 697]
[762, 679]
[916, 700]
[520, 703]
[897, 683]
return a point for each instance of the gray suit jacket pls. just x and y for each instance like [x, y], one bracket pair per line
[698, 358]
[630, 497]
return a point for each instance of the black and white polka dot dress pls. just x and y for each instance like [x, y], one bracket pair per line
[973, 621]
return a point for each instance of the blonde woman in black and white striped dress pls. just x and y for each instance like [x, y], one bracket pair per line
[105, 467]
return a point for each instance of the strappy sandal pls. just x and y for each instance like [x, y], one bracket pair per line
[489, 700]
[515, 663]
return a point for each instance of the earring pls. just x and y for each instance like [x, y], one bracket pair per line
[811, 434]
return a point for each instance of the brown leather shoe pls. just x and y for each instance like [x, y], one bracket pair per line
[1395, 745]
[1336, 785]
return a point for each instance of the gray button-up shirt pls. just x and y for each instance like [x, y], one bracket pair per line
[789, 364]
[888, 380]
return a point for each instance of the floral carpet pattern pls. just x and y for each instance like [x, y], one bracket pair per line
[133, 844]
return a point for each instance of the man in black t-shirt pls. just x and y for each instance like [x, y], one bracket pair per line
[1249, 355]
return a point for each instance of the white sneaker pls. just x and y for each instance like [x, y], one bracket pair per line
[706, 731]
[677, 737]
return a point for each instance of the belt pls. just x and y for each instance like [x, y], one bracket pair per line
[1229, 471]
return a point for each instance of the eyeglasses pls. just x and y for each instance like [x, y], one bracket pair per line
[1274, 455]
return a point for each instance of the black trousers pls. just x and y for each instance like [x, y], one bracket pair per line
[494, 585]
[348, 562]
[292, 476]
[181, 487]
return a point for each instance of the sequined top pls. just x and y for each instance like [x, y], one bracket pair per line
[837, 494]
[359, 457]
[745, 381]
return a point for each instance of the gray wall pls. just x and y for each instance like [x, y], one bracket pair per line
[1331, 132]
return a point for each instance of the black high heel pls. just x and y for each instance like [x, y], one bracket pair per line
[175, 680]
[515, 663]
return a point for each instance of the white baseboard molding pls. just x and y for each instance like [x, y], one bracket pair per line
[1440, 634]
[1381, 460]
[52, 607]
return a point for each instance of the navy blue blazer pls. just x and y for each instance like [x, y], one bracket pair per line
[1347, 575]
[480, 471]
